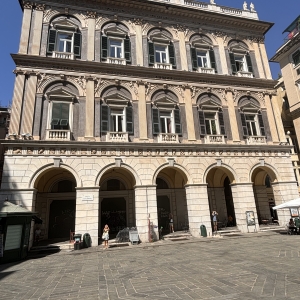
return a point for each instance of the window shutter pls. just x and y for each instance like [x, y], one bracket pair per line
[127, 50]
[232, 62]
[129, 119]
[244, 125]
[221, 123]
[177, 121]
[105, 114]
[77, 44]
[104, 47]
[69, 47]
[212, 59]
[51, 40]
[202, 122]
[64, 121]
[296, 57]
[56, 115]
[261, 124]
[194, 59]
[172, 55]
[155, 121]
[249, 63]
[151, 53]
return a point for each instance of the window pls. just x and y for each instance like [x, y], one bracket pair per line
[252, 124]
[166, 121]
[115, 48]
[117, 122]
[65, 42]
[203, 58]
[296, 57]
[211, 122]
[161, 54]
[240, 62]
[60, 116]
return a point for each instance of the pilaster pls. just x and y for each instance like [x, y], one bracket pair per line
[24, 40]
[222, 55]
[232, 116]
[259, 62]
[265, 60]
[91, 36]
[139, 42]
[37, 30]
[142, 111]
[90, 108]
[182, 49]
[189, 115]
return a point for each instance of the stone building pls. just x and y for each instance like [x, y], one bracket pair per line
[125, 111]
[4, 124]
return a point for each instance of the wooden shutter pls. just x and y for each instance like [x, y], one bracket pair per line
[232, 62]
[129, 119]
[105, 114]
[194, 59]
[155, 120]
[151, 53]
[177, 121]
[127, 50]
[104, 47]
[249, 63]
[261, 124]
[212, 59]
[221, 123]
[202, 122]
[172, 55]
[244, 125]
[51, 40]
[77, 44]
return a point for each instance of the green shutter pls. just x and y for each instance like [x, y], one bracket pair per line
[172, 55]
[177, 121]
[56, 115]
[232, 62]
[296, 57]
[129, 119]
[127, 50]
[64, 120]
[212, 59]
[202, 122]
[105, 114]
[151, 53]
[51, 40]
[221, 122]
[155, 121]
[194, 59]
[244, 125]
[261, 124]
[104, 47]
[249, 63]
[77, 44]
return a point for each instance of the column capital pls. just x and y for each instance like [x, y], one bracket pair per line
[27, 4]
[19, 72]
[40, 7]
[91, 15]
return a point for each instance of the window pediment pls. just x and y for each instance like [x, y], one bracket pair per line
[61, 94]
[210, 104]
[160, 37]
[250, 107]
[201, 43]
[238, 48]
[64, 24]
[115, 31]
[165, 102]
[117, 100]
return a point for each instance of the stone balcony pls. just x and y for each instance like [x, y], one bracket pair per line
[64, 55]
[206, 70]
[163, 66]
[116, 61]
[58, 135]
[244, 74]
[168, 138]
[256, 140]
[117, 136]
[214, 139]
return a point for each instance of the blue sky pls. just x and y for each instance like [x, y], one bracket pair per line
[280, 12]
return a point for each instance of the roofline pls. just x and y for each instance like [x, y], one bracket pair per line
[287, 29]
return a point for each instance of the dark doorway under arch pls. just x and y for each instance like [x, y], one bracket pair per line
[229, 202]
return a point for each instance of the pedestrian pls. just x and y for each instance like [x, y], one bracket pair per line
[215, 220]
[230, 220]
[105, 236]
[171, 223]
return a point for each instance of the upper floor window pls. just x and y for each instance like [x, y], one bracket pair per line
[115, 45]
[64, 39]
[296, 57]
[161, 50]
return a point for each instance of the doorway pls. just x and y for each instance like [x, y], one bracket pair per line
[163, 211]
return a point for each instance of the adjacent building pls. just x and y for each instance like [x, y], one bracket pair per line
[126, 111]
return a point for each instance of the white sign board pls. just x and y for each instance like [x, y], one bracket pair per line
[88, 198]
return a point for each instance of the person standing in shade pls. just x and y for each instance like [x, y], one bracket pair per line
[215, 220]
[105, 236]
[171, 222]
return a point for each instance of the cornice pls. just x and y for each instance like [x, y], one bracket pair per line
[99, 68]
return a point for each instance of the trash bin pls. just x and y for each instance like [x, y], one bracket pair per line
[133, 236]
[203, 231]
[77, 241]
[86, 240]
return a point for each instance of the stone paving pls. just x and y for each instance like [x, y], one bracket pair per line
[254, 266]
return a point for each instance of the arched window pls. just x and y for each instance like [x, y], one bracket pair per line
[161, 184]
[113, 185]
[115, 44]
[64, 39]
[64, 186]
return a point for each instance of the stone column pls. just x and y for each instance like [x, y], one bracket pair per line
[283, 192]
[198, 208]
[189, 114]
[259, 62]
[265, 60]
[87, 212]
[16, 108]
[90, 108]
[139, 42]
[243, 199]
[37, 29]
[29, 104]
[222, 56]
[232, 116]
[182, 48]
[142, 112]
[146, 211]
[91, 36]
[24, 40]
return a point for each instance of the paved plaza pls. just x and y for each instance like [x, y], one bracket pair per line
[256, 266]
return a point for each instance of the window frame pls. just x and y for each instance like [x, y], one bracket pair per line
[112, 38]
[216, 119]
[206, 56]
[255, 121]
[293, 59]
[165, 45]
[59, 31]
[113, 112]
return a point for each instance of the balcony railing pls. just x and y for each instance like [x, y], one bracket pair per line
[116, 61]
[117, 137]
[215, 139]
[244, 74]
[256, 140]
[57, 134]
[195, 3]
[168, 138]
[206, 70]
[163, 66]
[64, 55]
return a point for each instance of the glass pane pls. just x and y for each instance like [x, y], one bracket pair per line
[120, 124]
[112, 52]
[164, 57]
[69, 46]
[254, 128]
[115, 43]
[160, 48]
[119, 52]
[249, 128]
[200, 64]
[113, 123]
[61, 46]
[169, 126]
[163, 125]
[207, 125]
[157, 57]
[213, 127]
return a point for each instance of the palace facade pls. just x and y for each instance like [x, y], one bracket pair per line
[126, 111]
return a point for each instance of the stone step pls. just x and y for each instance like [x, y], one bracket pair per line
[272, 228]
[178, 235]
[226, 232]
[37, 250]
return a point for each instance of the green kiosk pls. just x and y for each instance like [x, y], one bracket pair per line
[15, 223]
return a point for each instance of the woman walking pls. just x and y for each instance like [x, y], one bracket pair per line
[105, 236]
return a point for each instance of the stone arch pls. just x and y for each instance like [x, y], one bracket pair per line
[39, 172]
[56, 180]
[200, 37]
[110, 91]
[208, 98]
[76, 19]
[267, 168]
[111, 24]
[113, 166]
[158, 89]
[244, 98]
[155, 31]
[229, 171]
[193, 33]
[233, 42]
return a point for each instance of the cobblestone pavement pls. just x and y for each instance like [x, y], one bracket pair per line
[248, 267]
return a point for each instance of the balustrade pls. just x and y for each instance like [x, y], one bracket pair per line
[57, 134]
[117, 137]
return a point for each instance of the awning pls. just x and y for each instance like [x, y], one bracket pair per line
[9, 209]
[295, 203]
